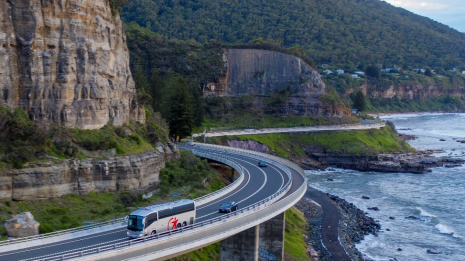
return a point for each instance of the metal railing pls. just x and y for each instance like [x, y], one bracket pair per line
[217, 224]
[199, 201]
[214, 156]
[62, 232]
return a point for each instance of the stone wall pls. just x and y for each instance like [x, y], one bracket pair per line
[66, 62]
[56, 178]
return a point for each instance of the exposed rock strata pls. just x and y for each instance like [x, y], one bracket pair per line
[56, 178]
[66, 62]
[419, 162]
[409, 91]
[248, 145]
[261, 73]
[317, 158]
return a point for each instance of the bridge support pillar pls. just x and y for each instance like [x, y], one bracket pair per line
[264, 242]
[241, 247]
[271, 241]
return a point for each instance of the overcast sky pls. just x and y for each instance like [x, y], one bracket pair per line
[448, 12]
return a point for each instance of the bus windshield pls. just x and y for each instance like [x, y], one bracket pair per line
[135, 223]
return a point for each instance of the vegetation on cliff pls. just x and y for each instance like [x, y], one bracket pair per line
[72, 210]
[22, 140]
[362, 142]
[241, 112]
[167, 69]
[412, 91]
[341, 32]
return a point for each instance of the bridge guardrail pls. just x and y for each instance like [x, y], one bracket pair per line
[202, 226]
[225, 190]
[251, 220]
[111, 223]
[98, 225]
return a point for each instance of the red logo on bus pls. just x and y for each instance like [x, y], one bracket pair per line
[173, 221]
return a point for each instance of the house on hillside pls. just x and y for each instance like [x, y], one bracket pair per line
[392, 70]
[359, 73]
[339, 71]
[355, 76]
[463, 72]
[419, 70]
[327, 71]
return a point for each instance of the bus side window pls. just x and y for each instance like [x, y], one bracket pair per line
[150, 219]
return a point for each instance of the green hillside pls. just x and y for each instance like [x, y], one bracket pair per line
[342, 32]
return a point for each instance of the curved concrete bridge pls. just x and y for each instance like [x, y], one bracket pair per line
[255, 231]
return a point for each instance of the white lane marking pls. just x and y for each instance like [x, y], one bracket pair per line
[66, 242]
[266, 179]
[227, 196]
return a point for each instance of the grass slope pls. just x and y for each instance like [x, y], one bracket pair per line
[365, 142]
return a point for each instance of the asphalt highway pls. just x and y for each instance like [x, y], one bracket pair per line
[259, 183]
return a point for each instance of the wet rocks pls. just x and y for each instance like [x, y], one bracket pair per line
[313, 213]
[365, 197]
[354, 226]
[22, 225]
[374, 208]
[434, 251]
[419, 162]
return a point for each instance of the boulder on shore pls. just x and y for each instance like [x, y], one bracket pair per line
[22, 225]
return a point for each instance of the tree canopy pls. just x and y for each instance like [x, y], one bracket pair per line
[343, 32]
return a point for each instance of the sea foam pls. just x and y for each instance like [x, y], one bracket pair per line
[443, 229]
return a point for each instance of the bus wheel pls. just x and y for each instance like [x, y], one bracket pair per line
[154, 232]
[178, 225]
[184, 223]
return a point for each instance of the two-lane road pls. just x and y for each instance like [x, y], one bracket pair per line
[258, 183]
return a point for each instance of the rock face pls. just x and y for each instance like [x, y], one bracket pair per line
[409, 91]
[66, 62]
[22, 225]
[248, 145]
[57, 178]
[261, 73]
[418, 163]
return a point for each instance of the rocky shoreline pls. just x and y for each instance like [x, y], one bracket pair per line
[419, 162]
[353, 227]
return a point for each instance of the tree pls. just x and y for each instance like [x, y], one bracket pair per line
[373, 71]
[181, 116]
[359, 101]
[428, 72]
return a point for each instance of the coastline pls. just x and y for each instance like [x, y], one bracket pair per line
[416, 226]
[381, 114]
[350, 227]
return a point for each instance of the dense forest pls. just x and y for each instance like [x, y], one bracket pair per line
[167, 71]
[340, 32]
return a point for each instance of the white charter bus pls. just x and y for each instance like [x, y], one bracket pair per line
[161, 218]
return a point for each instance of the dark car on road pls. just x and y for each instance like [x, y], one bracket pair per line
[262, 163]
[228, 206]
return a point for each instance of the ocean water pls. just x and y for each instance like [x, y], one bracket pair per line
[436, 199]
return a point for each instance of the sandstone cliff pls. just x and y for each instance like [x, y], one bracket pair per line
[409, 91]
[260, 73]
[66, 62]
[56, 178]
